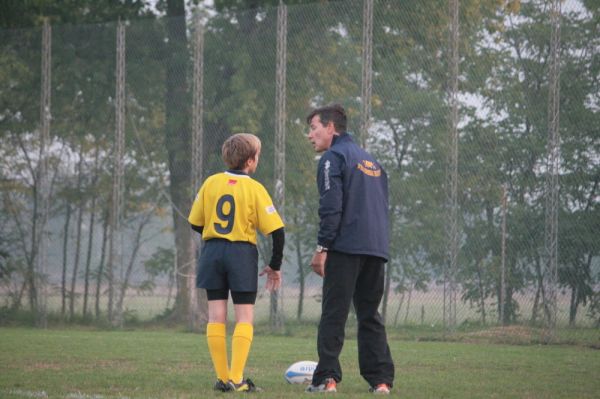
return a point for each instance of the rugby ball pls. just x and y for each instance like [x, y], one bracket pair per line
[300, 372]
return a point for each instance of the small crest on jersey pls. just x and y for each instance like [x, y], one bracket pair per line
[270, 209]
[232, 182]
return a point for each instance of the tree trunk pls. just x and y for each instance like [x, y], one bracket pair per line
[171, 283]
[77, 235]
[88, 260]
[63, 286]
[481, 291]
[177, 139]
[509, 306]
[30, 246]
[301, 275]
[276, 317]
[401, 302]
[396, 316]
[100, 274]
[199, 300]
[509, 310]
[16, 304]
[125, 283]
[30, 274]
[408, 305]
[301, 269]
[386, 290]
[538, 291]
[573, 306]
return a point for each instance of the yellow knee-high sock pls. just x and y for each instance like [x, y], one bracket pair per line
[217, 345]
[240, 348]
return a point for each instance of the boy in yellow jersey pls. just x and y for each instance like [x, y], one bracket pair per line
[227, 211]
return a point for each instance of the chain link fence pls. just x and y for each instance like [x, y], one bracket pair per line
[99, 256]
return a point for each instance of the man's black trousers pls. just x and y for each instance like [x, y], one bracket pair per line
[360, 279]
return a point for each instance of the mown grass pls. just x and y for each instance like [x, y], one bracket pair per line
[68, 363]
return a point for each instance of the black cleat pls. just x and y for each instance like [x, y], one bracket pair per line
[221, 386]
[245, 386]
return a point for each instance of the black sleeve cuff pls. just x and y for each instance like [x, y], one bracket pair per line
[197, 228]
[278, 242]
[326, 244]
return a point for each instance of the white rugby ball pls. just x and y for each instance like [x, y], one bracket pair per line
[300, 372]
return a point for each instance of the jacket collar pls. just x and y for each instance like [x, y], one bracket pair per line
[340, 138]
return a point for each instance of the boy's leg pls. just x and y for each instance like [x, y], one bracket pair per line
[242, 335]
[241, 262]
[216, 337]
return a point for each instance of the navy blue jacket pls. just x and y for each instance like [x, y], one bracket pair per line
[353, 204]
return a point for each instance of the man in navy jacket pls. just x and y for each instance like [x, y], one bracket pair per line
[352, 249]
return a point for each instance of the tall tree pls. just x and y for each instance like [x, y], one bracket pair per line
[177, 139]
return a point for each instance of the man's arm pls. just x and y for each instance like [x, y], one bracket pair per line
[331, 193]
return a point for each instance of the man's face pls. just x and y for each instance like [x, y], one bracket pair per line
[320, 136]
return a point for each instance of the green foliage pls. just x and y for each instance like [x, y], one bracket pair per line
[503, 129]
[161, 262]
[23, 14]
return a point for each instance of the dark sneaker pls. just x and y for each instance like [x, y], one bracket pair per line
[221, 386]
[380, 389]
[329, 385]
[245, 386]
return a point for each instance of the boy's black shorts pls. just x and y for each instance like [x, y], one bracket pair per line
[226, 265]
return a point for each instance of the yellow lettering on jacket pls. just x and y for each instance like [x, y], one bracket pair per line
[369, 168]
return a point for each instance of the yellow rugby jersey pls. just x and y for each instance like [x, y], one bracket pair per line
[233, 206]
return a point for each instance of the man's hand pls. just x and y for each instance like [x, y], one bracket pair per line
[318, 263]
[273, 278]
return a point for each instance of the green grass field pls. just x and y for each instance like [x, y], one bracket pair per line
[171, 364]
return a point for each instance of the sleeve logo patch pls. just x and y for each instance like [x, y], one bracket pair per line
[270, 209]
[326, 175]
[369, 168]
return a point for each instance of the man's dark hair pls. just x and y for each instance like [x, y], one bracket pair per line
[330, 113]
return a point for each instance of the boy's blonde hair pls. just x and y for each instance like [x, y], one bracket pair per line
[238, 149]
